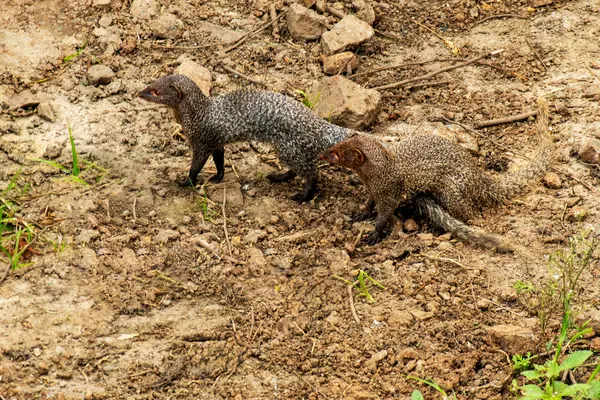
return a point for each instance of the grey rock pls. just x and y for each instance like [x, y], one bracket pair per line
[589, 150]
[399, 319]
[143, 9]
[256, 256]
[87, 235]
[54, 149]
[344, 102]
[165, 236]
[46, 110]
[255, 235]
[347, 34]
[305, 24]
[100, 75]
[196, 72]
[105, 21]
[101, 3]
[167, 26]
[219, 33]
[24, 99]
[364, 11]
[86, 258]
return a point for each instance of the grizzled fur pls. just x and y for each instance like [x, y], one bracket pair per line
[437, 176]
[297, 134]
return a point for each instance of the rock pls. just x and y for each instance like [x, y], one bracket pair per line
[298, 237]
[406, 354]
[164, 236]
[513, 339]
[305, 24]
[100, 75]
[540, 3]
[577, 214]
[344, 102]
[87, 235]
[552, 180]
[364, 11]
[592, 90]
[321, 6]
[589, 150]
[307, 3]
[219, 33]
[105, 21]
[347, 34]
[422, 315]
[256, 256]
[255, 235]
[23, 100]
[376, 359]
[338, 260]
[143, 9]
[196, 72]
[336, 63]
[46, 110]
[410, 225]
[399, 318]
[593, 316]
[128, 258]
[167, 26]
[54, 149]
[101, 3]
[87, 259]
[234, 195]
[114, 87]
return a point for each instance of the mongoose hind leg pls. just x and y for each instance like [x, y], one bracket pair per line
[281, 176]
[366, 214]
[385, 214]
[309, 190]
[219, 159]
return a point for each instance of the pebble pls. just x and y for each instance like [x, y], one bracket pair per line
[100, 75]
[552, 180]
[347, 34]
[399, 318]
[143, 9]
[333, 64]
[46, 110]
[167, 26]
[305, 24]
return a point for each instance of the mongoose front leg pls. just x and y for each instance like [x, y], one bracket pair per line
[309, 191]
[199, 158]
[366, 214]
[219, 159]
[281, 177]
[385, 214]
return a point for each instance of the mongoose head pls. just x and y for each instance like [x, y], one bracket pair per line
[358, 153]
[170, 90]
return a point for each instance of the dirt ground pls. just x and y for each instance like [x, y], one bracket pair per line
[141, 289]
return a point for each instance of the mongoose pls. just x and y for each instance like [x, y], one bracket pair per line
[438, 177]
[298, 135]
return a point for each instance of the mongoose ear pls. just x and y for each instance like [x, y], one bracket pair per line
[358, 156]
[179, 92]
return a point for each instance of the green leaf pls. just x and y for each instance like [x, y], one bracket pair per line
[559, 387]
[532, 390]
[531, 375]
[575, 360]
[76, 169]
[594, 390]
[51, 163]
[416, 395]
[576, 388]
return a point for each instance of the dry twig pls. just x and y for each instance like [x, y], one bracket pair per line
[273, 15]
[246, 77]
[497, 16]
[253, 33]
[536, 54]
[505, 120]
[225, 223]
[351, 300]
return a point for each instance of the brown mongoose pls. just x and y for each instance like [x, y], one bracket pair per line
[438, 177]
[298, 135]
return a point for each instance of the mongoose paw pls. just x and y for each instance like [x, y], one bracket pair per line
[301, 197]
[186, 183]
[374, 238]
[361, 216]
[281, 176]
[216, 178]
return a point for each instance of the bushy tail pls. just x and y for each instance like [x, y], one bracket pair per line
[441, 219]
[514, 184]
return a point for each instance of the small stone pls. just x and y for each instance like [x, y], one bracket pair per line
[508, 294]
[167, 26]
[577, 214]
[540, 3]
[399, 318]
[255, 235]
[445, 296]
[595, 344]
[86, 259]
[344, 102]
[24, 99]
[143, 9]
[196, 72]
[87, 235]
[592, 318]
[421, 315]
[336, 63]
[376, 359]
[54, 149]
[364, 11]
[46, 110]
[105, 21]
[256, 256]
[589, 150]
[407, 354]
[347, 34]
[592, 90]
[552, 180]
[425, 237]
[305, 24]
[307, 3]
[321, 6]
[410, 225]
[100, 75]
[165, 235]
[483, 304]
[445, 245]
[513, 339]
[101, 3]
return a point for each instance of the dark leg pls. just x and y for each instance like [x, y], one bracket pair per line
[281, 177]
[385, 215]
[309, 191]
[219, 159]
[366, 214]
[199, 158]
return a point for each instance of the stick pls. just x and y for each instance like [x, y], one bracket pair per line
[497, 16]
[246, 77]
[408, 64]
[253, 33]
[505, 120]
[504, 70]
[134, 214]
[536, 54]
[388, 35]
[205, 245]
[273, 14]
[203, 46]
[436, 72]
[351, 299]
[418, 85]
[335, 12]
[225, 223]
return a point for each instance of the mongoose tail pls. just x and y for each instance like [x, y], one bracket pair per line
[442, 220]
[511, 185]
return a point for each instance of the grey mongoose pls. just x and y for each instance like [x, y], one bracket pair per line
[298, 135]
[438, 177]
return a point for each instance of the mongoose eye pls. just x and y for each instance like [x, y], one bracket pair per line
[154, 93]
